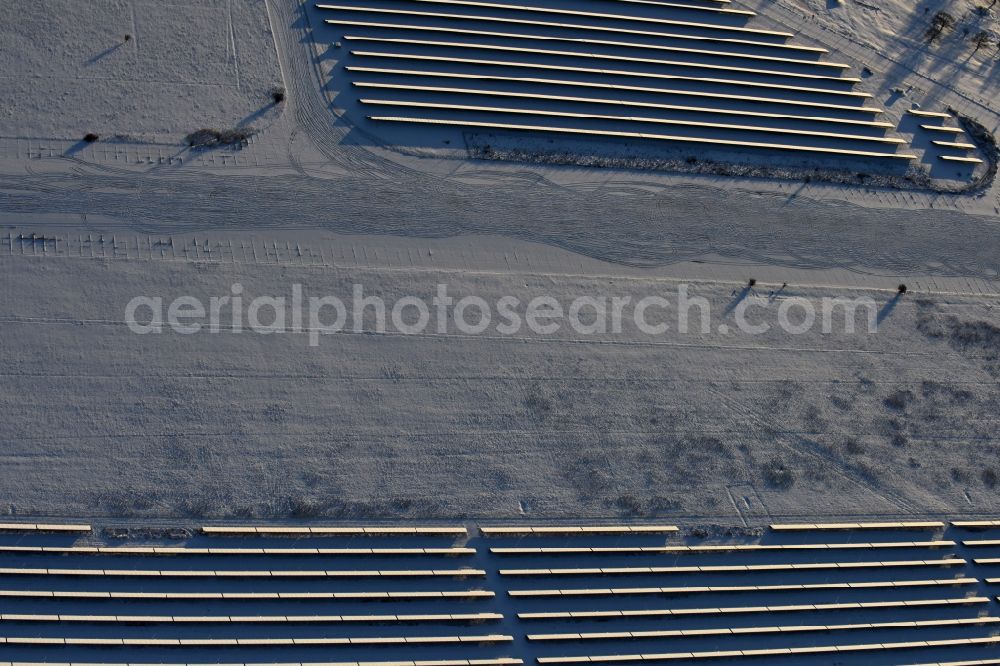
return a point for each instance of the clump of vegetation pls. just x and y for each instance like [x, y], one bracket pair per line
[778, 475]
[629, 505]
[987, 143]
[989, 477]
[302, 507]
[853, 446]
[976, 334]
[205, 138]
[278, 95]
[841, 403]
[981, 338]
[196, 507]
[90, 137]
[660, 505]
[538, 403]
[899, 400]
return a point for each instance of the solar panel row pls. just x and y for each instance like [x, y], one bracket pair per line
[218, 615]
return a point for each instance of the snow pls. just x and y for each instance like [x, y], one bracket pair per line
[186, 65]
[450, 426]
[98, 421]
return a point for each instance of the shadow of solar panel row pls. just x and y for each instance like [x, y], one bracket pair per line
[687, 76]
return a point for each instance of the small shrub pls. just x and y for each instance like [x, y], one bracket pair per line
[659, 505]
[898, 400]
[90, 137]
[205, 138]
[301, 507]
[196, 507]
[234, 136]
[975, 334]
[853, 446]
[843, 404]
[629, 505]
[777, 475]
[989, 477]
[537, 402]
[866, 472]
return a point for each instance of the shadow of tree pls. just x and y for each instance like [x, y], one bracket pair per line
[103, 54]
[887, 309]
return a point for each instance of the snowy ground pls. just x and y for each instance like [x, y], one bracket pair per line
[138, 69]
[904, 25]
[448, 425]
[891, 39]
[98, 421]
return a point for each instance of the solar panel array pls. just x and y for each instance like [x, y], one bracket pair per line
[947, 141]
[692, 74]
[847, 593]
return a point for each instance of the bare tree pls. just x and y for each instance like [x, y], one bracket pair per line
[981, 40]
[941, 22]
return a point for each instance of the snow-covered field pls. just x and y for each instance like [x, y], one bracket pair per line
[138, 69]
[904, 25]
[100, 421]
[891, 39]
[450, 425]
